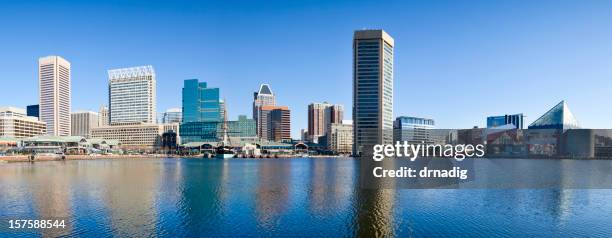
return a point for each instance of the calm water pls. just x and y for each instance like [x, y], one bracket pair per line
[298, 197]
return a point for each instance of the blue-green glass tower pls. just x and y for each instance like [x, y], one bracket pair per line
[201, 112]
[200, 104]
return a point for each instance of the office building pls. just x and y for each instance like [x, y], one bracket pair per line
[372, 89]
[14, 123]
[200, 103]
[83, 122]
[275, 122]
[103, 116]
[202, 113]
[320, 116]
[243, 127]
[54, 94]
[32, 110]
[135, 135]
[263, 97]
[132, 95]
[496, 121]
[558, 117]
[200, 131]
[340, 138]
[172, 115]
[414, 130]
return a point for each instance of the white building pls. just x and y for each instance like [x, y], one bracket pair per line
[132, 95]
[173, 115]
[103, 116]
[145, 136]
[372, 89]
[15, 124]
[414, 130]
[82, 123]
[54, 94]
[340, 138]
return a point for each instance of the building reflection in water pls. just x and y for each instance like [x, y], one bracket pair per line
[52, 195]
[200, 206]
[130, 196]
[272, 192]
[374, 212]
[331, 185]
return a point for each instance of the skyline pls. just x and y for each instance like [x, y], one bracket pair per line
[501, 58]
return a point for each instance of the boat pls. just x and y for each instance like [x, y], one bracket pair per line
[225, 152]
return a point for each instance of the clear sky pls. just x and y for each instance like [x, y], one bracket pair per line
[455, 61]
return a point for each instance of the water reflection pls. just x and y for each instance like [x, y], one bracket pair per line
[272, 194]
[305, 197]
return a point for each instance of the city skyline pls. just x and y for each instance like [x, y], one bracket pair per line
[494, 52]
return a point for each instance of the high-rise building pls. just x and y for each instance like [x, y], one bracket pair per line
[275, 121]
[103, 116]
[320, 116]
[340, 138]
[372, 89]
[202, 112]
[263, 97]
[414, 130]
[172, 115]
[496, 121]
[33, 110]
[200, 103]
[132, 95]
[54, 94]
[82, 123]
[15, 124]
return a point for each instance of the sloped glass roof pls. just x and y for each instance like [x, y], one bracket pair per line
[558, 117]
[265, 89]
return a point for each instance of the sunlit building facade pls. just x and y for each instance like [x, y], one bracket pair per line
[83, 122]
[132, 95]
[414, 130]
[496, 121]
[172, 115]
[320, 116]
[372, 89]
[263, 97]
[54, 94]
[14, 123]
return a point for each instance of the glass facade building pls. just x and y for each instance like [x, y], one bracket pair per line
[558, 117]
[414, 130]
[243, 127]
[200, 103]
[200, 131]
[496, 121]
[32, 110]
[213, 131]
[372, 89]
[202, 113]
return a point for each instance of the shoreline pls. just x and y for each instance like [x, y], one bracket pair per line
[25, 158]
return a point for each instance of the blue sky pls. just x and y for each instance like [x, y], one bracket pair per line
[455, 61]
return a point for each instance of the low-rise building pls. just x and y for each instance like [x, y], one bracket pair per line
[14, 123]
[340, 138]
[134, 136]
